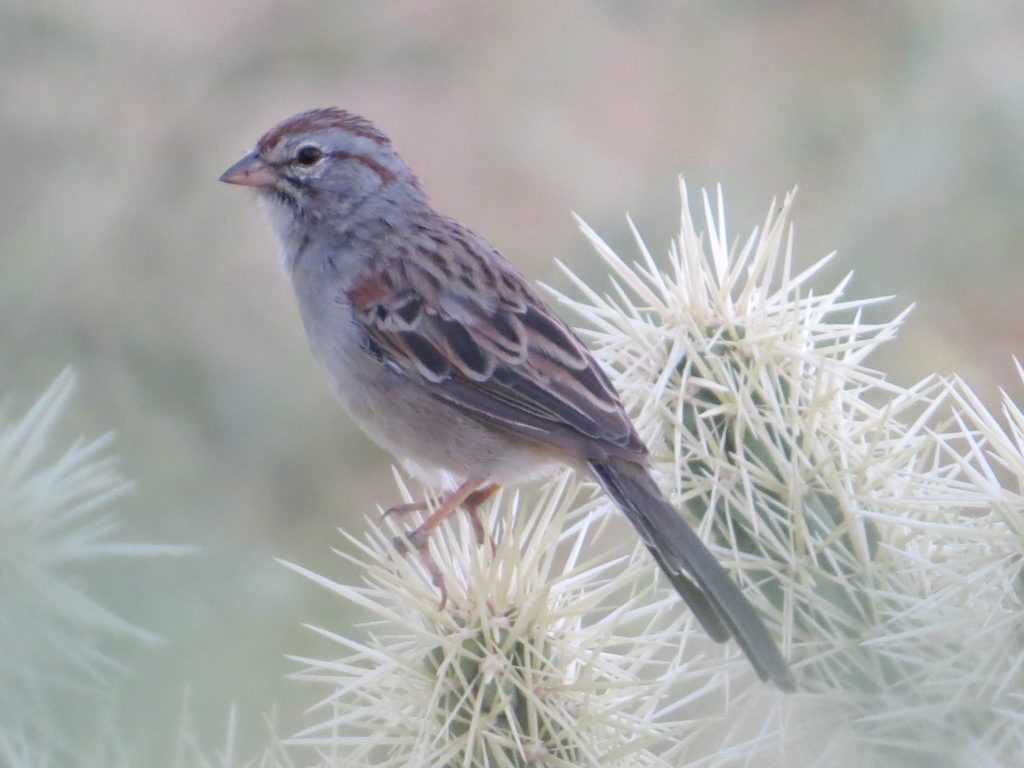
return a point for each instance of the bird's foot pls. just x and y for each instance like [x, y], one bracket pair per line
[472, 506]
[419, 540]
[401, 510]
[469, 496]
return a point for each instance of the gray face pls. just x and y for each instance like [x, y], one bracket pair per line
[336, 164]
[320, 173]
[326, 163]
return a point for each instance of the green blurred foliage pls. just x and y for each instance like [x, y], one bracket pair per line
[903, 123]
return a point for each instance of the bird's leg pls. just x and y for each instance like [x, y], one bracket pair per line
[472, 505]
[419, 537]
[401, 510]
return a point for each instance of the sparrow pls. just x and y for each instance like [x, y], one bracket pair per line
[448, 357]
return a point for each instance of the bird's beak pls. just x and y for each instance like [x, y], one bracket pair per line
[250, 171]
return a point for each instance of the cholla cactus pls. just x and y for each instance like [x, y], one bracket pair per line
[863, 516]
[549, 652]
[54, 516]
[878, 527]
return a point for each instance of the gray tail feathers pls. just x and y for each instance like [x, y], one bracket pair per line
[716, 602]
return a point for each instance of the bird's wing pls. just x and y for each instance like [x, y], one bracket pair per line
[470, 328]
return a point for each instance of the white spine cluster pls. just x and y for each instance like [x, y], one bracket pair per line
[56, 516]
[878, 525]
[533, 661]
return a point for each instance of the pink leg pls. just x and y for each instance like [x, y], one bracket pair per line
[472, 505]
[404, 509]
[420, 536]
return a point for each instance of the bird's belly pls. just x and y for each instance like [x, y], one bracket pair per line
[430, 436]
[427, 434]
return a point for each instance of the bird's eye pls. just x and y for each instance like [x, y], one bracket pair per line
[308, 155]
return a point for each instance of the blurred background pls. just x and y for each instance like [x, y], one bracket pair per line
[121, 255]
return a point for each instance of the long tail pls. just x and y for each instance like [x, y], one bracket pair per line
[715, 600]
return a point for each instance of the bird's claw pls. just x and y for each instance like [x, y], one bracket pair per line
[418, 539]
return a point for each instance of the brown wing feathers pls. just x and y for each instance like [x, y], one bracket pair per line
[512, 364]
